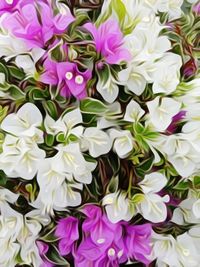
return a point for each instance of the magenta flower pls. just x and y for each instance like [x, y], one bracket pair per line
[43, 249]
[67, 231]
[108, 40]
[36, 28]
[7, 5]
[175, 120]
[137, 241]
[108, 244]
[190, 68]
[67, 77]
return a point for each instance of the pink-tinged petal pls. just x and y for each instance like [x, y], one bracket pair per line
[46, 264]
[64, 90]
[49, 75]
[42, 247]
[94, 31]
[67, 230]
[138, 240]
[64, 67]
[5, 7]
[61, 22]
[121, 55]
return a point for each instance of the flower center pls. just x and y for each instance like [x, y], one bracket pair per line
[120, 253]
[79, 79]
[68, 75]
[9, 2]
[100, 240]
[111, 252]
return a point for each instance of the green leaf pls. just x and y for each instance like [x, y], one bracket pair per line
[92, 106]
[61, 138]
[16, 73]
[137, 198]
[16, 92]
[113, 185]
[196, 181]
[49, 140]
[146, 165]
[50, 107]
[3, 178]
[183, 185]
[54, 257]
[120, 10]
[50, 237]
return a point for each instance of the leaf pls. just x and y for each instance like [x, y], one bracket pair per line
[120, 10]
[16, 73]
[145, 166]
[196, 181]
[16, 92]
[113, 185]
[3, 178]
[137, 198]
[183, 185]
[61, 138]
[49, 140]
[54, 257]
[50, 107]
[92, 106]
[50, 237]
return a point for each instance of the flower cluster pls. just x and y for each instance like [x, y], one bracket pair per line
[99, 133]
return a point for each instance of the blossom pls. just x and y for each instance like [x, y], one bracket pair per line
[106, 243]
[67, 231]
[162, 111]
[152, 206]
[36, 31]
[70, 80]
[109, 41]
[7, 5]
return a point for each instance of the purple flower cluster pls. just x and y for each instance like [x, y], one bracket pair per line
[103, 243]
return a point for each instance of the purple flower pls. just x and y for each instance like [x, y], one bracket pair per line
[67, 231]
[42, 247]
[7, 5]
[109, 41]
[196, 8]
[70, 80]
[175, 120]
[137, 241]
[190, 68]
[36, 28]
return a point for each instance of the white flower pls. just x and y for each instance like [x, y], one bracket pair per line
[146, 47]
[166, 78]
[109, 89]
[152, 206]
[161, 112]
[118, 207]
[123, 142]
[69, 159]
[188, 210]
[133, 112]
[24, 123]
[181, 154]
[175, 252]
[20, 157]
[96, 141]
[66, 124]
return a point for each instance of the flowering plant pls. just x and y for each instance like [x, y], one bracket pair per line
[99, 133]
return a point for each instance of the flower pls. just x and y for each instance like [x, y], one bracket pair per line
[70, 80]
[138, 240]
[67, 231]
[152, 206]
[109, 41]
[109, 244]
[7, 5]
[36, 31]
